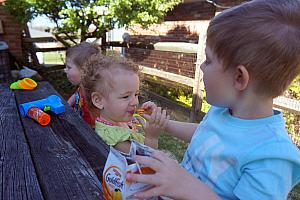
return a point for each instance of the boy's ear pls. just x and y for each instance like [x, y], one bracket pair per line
[241, 78]
[97, 100]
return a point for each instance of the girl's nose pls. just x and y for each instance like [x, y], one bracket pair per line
[134, 101]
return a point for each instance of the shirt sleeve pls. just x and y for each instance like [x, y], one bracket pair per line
[269, 179]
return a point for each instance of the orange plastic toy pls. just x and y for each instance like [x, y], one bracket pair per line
[40, 116]
[24, 84]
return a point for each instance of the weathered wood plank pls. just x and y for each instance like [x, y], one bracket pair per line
[68, 155]
[290, 105]
[39, 39]
[18, 179]
[51, 49]
[167, 75]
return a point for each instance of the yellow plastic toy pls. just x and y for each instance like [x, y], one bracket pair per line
[24, 84]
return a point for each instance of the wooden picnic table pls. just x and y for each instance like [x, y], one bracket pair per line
[63, 160]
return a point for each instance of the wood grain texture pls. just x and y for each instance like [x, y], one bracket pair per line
[18, 179]
[69, 157]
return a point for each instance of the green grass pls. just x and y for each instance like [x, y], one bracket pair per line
[54, 58]
[295, 193]
[172, 145]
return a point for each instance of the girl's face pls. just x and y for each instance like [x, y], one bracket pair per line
[120, 104]
[219, 84]
[73, 72]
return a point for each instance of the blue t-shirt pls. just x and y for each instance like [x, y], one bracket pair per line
[243, 159]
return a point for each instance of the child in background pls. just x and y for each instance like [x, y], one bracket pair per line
[241, 149]
[111, 84]
[75, 58]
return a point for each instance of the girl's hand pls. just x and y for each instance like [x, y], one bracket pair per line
[147, 108]
[156, 122]
[169, 179]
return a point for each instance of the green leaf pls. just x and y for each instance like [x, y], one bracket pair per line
[76, 16]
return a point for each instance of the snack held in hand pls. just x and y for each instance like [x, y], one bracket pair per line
[143, 111]
[118, 164]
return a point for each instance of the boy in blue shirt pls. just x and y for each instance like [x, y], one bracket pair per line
[241, 149]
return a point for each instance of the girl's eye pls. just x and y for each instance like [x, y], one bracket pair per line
[125, 97]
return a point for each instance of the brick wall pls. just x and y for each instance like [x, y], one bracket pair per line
[12, 32]
[181, 25]
[178, 63]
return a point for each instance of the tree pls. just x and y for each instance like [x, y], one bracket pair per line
[91, 18]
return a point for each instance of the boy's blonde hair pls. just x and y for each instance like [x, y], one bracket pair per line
[81, 52]
[98, 72]
[262, 35]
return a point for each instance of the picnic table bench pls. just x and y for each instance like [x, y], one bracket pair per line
[63, 160]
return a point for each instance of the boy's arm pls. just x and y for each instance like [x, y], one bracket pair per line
[71, 100]
[181, 130]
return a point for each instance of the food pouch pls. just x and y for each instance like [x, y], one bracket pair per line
[118, 164]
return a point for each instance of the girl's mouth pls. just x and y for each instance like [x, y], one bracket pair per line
[131, 112]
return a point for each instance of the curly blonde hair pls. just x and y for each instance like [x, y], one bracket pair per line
[98, 71]
[81, 52]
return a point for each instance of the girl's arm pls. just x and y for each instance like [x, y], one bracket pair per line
[71, 100]
[181, 130]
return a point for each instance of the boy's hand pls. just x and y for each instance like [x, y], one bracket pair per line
[169, 179]
[156, 121]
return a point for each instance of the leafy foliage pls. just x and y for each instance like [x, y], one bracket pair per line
[294, 89]
[293, 120]
[92, 18]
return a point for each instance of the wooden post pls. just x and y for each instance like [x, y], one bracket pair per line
[197, 92]
[31, 49]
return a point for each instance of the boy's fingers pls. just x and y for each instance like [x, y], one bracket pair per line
[146, 116]
[148, 161]
[158, 115]
[166, 122]
[163, 118]
[148, 104]
[143, 178]
[152, 117]
[153, 192]
[159, 155]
